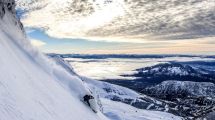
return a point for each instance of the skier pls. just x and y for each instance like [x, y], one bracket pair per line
[89, 99]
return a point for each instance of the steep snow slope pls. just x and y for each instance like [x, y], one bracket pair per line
[31, 86]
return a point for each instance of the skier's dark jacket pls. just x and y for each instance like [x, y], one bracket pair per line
[87, 98]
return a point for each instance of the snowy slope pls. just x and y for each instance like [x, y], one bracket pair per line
[31, 86]
[112, 98]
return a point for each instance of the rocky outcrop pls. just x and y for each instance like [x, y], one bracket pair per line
[8, 6]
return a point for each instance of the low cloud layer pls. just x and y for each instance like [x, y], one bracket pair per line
[37, 43]
[122, 20]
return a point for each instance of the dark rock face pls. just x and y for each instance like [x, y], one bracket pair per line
[8, 6]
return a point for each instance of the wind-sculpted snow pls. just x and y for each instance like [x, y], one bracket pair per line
[125, 20]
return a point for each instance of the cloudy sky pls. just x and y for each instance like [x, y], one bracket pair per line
[120, 26]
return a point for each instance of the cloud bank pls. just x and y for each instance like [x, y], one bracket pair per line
[122, 20]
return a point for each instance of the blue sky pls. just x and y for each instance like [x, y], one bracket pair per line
[66, 45]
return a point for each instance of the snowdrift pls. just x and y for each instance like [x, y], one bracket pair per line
[32, 86]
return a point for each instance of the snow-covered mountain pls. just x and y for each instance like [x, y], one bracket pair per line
[173, 68]
[191, 98]
[185, 88]
[153, 75]
[35, 87]
[167, 69]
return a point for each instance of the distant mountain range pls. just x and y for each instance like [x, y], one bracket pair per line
[131, 56]
[156, 74]
[189, 86]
